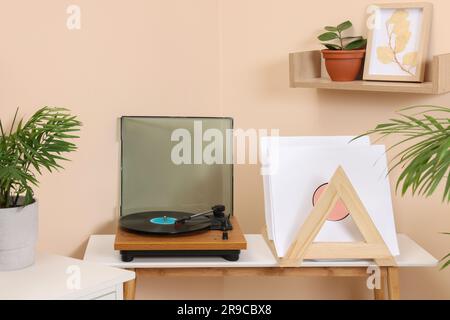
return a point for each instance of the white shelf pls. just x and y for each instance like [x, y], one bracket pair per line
[100, 250]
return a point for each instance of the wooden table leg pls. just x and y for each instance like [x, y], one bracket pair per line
[380, 293]
[393, 281]
[129, 288]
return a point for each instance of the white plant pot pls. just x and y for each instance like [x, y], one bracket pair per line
[18, 237]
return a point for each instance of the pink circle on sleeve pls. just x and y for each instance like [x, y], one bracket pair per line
[339, 212]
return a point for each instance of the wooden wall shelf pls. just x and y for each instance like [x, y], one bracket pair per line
[305, 71]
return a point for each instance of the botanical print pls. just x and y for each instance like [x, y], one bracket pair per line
[399, 34]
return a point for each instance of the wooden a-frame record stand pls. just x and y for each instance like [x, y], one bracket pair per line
[373, 248]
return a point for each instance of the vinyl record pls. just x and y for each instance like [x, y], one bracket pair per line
[163, 222]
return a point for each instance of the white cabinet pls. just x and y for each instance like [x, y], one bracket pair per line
[55, 277]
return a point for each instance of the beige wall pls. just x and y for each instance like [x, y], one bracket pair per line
[197, 57]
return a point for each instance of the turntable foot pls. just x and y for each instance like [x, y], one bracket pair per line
[127, 257]
[231, 257]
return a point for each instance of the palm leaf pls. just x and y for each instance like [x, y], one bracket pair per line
[425, 157]
[31, 146]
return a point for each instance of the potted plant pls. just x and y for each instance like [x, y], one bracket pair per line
[425, 161]
[26, 149]
[344, 55]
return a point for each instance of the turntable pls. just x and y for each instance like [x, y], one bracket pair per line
[163, 204]
[156, 234]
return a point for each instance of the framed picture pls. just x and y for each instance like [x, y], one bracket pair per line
[398, 42]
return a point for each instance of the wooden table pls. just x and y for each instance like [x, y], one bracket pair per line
[54, 277]
[258, 260]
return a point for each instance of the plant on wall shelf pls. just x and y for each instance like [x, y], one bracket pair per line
[344, 54]
[425, 159]
[335, 35]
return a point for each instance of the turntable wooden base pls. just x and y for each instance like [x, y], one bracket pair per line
[203, 243]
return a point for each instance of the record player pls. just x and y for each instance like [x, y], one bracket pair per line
[156, 234]
[164, 205]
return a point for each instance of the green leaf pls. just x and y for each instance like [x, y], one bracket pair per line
[384, 125]
[344, 26]
[327, 36]
[330, 28]
[425, 161]
[331, 46]
[357, 44]
[447, 190]
[445, 265]
[30, 147]
[435, 123]
[352, 37]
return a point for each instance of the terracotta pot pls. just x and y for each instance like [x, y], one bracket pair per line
[343, 65]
